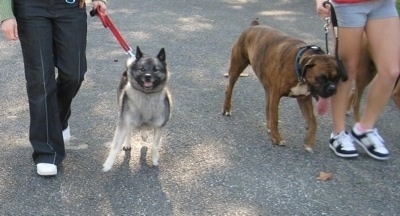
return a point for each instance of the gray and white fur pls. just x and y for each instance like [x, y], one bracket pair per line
[144, 103]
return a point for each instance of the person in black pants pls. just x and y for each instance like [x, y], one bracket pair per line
[52, 34]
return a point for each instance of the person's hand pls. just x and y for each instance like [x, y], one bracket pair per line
[322, 11]
[9, 29]
[101, 5]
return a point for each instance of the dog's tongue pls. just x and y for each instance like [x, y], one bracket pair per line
[148, 84]
[322, 106]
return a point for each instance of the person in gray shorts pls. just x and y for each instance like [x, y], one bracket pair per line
[379, 21]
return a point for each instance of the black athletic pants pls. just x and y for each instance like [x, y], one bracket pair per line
[52, 34]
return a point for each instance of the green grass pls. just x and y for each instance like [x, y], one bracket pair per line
[398, 5]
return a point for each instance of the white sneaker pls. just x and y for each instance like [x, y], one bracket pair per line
[372, 143]
[46, 169]
[342, 145]
[66, 135]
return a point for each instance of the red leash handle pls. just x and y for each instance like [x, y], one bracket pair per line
[108, 24]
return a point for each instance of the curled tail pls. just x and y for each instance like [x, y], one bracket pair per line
[255, 22]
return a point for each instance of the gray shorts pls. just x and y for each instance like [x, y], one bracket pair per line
[357, 14]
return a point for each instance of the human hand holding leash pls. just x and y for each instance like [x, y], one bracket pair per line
[323, 10]
[107, 23]
[9, 29]
[100, 5]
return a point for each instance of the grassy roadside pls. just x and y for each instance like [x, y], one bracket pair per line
[398, 5]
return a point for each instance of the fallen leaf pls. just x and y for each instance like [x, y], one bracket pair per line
[324, 176]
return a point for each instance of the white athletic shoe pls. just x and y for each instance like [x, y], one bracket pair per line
[66, 135]
[46, 169]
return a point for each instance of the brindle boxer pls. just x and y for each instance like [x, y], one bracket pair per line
[286, 66]
[363, 78]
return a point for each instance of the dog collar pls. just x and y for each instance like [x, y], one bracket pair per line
[299, 69]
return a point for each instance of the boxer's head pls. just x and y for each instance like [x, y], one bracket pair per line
[321, 73]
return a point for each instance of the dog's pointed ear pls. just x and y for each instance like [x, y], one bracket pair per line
[161, 55]
[139, 53]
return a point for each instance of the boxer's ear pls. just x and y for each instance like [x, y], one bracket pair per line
[306, 63]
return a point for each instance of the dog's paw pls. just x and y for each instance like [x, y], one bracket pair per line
[126, 148]
[226, 113]
[308, 149]
[282, 143]
[155, 163]
[279, 142]
[106, 167]
[155, 155]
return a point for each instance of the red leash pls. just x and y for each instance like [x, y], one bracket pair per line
[107, 23]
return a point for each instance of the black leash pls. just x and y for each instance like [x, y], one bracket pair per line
[326, 29]
[333, 19]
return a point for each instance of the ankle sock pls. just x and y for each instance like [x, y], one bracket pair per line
[334, 134]
[358, 129]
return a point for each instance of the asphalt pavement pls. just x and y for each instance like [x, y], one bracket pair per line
[209, 164]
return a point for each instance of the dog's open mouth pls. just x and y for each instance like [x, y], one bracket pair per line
[148, 84]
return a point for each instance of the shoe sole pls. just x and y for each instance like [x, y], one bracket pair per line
[368, 152]
[47, 173]
[342, 155]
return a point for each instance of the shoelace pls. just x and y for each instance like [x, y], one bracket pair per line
[345, 140]
[375, 138]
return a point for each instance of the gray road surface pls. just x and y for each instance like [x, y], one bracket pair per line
[210, 164]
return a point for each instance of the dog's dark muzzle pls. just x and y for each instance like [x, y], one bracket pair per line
[328, 90]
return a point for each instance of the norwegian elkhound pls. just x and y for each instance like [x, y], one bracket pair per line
[144, 103]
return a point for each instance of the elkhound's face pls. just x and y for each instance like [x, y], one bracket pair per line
[148, 74]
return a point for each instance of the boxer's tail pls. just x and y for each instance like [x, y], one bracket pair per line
[255, 22]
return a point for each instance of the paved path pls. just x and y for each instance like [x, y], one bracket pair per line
[210, 164]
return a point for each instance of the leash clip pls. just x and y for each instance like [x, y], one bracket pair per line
[70, 1]
[327, 24]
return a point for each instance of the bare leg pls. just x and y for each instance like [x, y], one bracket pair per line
[387, 60]
[349, 51]
[396, 95]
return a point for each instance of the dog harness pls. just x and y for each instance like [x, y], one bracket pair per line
[300, 71]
